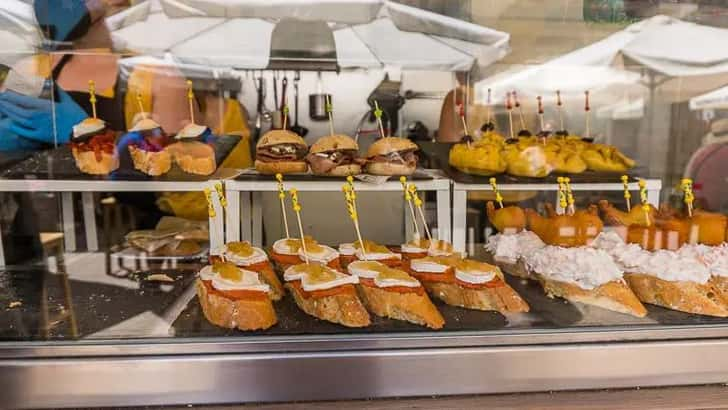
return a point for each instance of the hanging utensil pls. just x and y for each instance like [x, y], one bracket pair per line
[317, 102]
[277, 119]
[297, 128]
[265, 113]
[259, 108]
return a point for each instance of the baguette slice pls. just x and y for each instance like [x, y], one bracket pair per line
[344, 309]
[501, 298]
[615, 296]
[268, 275]
[517, 269]
[410, 307]
[721, 284]
[151, 163]
[242, 314]
[687, 297]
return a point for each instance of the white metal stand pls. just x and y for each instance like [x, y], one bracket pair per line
[244, 220]
[460, 191]
[87, 188]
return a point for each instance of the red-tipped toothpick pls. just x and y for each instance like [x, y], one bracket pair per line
[509, 107]
[520, 110]
[587, 109]
[558, 107]
[540, 118]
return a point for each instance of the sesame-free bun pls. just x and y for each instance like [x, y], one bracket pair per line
[145, 124]
[151, 163]
[275, 137]
[344, 170]
[384, 146]
[194, 157]
[87, 163]
[333, 143]
[282, 167]
[389, 168]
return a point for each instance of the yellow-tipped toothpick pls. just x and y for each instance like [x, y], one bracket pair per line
[210, 208]
[689, 197]
[408, 198]
[418, 204]
[140, 105]
[92, 94]
[282, 198]
[569, 195]
[378, 115]
[563, 204]
[627, 194]
[498, 196]
[350, 197]
[643, 200]
[190, 100]
[297, 210]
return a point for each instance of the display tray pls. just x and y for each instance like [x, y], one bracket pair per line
[58, 164]
[253, 175]
[438, 153]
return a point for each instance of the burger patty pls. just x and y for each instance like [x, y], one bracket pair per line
[281, 152]
[408, 157]
[323, 162]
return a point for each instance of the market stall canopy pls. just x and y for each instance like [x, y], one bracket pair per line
[366, 34]
[715, 99]
[623, 110]
[658, 52]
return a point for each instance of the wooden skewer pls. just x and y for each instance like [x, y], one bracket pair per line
[190, 99]
[330, 111]
[282, 197]
[350, 196]
[408, 198]
[627, 194]
[487, 107]
[587, 109]
[558, 107]
[378, 116]
[643, 200]
[520, 110]
[498, 196]
[509, 107]
[141, 106]
[297, 210]
[92, 98]
[418, 205]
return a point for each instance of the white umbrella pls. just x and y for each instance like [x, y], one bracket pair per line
[714, 99]
[366, 33]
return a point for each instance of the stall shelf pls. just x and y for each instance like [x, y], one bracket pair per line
[460, 191]
[244, 212]
[67, 187]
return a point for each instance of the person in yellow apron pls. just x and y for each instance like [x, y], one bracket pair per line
[225, 116]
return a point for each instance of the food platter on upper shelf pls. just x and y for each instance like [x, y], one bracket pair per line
[59, 164]
[253, 175]
[438, 153]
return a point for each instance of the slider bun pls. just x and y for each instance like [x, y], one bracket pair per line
[283, 167]
[384, 146]
[344, 170]
[333, 143]
[86, 162]
[145, 124]
[275, 137]
[388, 168]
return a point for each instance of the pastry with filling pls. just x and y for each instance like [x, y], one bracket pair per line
[192, 151]
[392, 293]
[231, 297]
[466, 283]
[510, 251]
[373, 251]
[148, 149]
[606, 158]
[281, 151]
[326, 294]
[288, 251]
[392, 156]
[93, 146]
[335, 155]
[248, 257]
[477, 158]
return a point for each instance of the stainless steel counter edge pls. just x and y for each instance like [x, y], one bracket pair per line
[247, 344]
[228, 378]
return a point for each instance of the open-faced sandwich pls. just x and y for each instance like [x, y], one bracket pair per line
[251, 258]
[288, 251]
[281, 152]
[93, 147]
[466, 283]
[392, 293]
[419, 248]
[510, 251]
[148, 148]
[192, 151]
[372, 252]
[234, 298]
[326, 293]
[392, 156]
[335, 155]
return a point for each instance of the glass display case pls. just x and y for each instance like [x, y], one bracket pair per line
[494, 198]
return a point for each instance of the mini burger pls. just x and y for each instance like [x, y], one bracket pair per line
[392, 156]
[148, 148]
[281, 151]
[93, 147]
[335, 155]
[192, 151]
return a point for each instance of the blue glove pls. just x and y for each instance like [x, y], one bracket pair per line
[31, 119]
